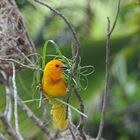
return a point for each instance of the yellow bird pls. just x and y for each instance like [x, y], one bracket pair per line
[53, 85]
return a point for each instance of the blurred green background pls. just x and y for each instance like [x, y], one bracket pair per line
[89, 19]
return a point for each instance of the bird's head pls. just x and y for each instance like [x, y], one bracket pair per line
[55, 69]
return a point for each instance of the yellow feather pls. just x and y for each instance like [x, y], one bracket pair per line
[59, 116]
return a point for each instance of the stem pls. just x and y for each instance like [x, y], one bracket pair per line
[107, 62]
[8, 127]
[15, 102]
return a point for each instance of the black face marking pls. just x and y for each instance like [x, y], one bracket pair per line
[57, 65]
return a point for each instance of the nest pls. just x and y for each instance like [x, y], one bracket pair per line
[14, 39]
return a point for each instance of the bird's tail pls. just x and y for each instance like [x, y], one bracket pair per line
[59, 113]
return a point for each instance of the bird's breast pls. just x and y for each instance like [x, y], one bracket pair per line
[55, 88]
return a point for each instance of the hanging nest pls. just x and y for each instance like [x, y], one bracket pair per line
[15, 42]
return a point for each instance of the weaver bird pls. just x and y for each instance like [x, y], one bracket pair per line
[53, 85]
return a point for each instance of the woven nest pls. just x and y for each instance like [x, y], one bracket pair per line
[14, 40]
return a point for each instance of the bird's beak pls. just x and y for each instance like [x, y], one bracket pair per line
[63, 67]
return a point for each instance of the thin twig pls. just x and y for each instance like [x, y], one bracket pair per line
[81, 123]
[15, 102]
[106, 85]
[8, 127]
[4, 59]
[25, 57]
[73, 136]
[109, 32]
[116, 18]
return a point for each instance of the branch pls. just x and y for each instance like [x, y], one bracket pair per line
[5, 59]
[29, 113]
[116, 18]
[81, 123]
[48, 20]
[33, 117]
[64, 18]
[8, 127]
[76, 48]
[109, 32]
[72, 134]
[15, 102]
[106, 84]
[3, 137]
[6, 117]
[25, 57]
[76, 61]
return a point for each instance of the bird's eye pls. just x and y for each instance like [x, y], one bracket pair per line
[57, 65]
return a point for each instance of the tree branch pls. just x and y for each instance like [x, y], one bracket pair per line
[109, 32]
[76, 61]
[81, 123]
[29, 113]
[8, 127]
[76, 48]
[64, 18]
[6, 117]
[5, 59]
[106, 84]
[72, 134]
[34, 118]
[15, 102]
[116, 18]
